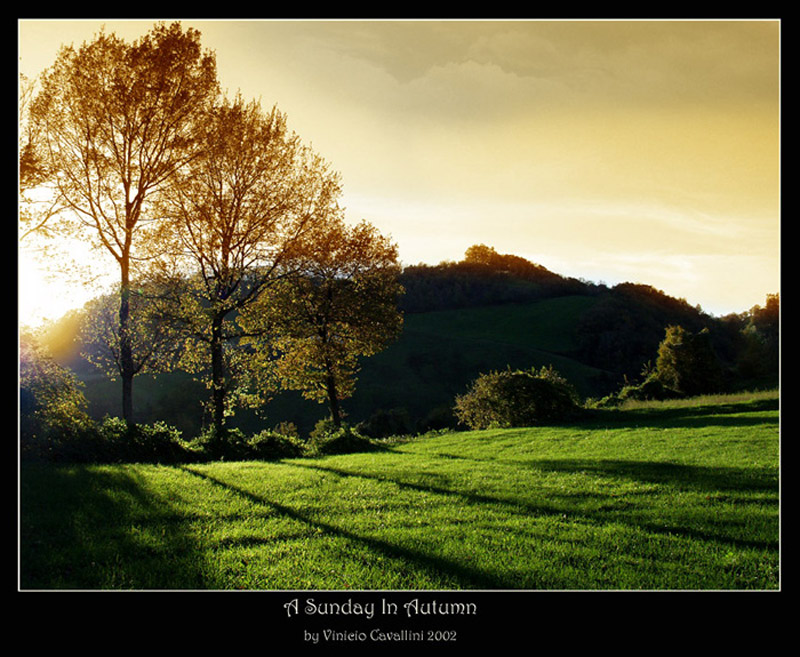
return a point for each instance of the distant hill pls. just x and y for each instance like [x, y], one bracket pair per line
[487, 312]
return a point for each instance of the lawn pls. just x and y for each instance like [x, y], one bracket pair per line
[644, 499]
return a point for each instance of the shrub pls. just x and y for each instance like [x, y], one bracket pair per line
[437, 419]
[687, 364]
[516, 399]
[158, 443]
[271, 445]
[286, 428]
[52, 406]
[114, 441]
[344, 440]
[229, 445]
[650, 389]
[119, 442]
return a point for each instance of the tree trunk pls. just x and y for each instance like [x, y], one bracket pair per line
[217, 376]
[125, 347]
[333, 401]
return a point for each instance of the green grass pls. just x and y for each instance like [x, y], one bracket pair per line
[653, 498]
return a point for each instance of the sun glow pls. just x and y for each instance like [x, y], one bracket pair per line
[56, 277]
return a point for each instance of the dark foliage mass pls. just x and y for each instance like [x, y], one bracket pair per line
[484, 277]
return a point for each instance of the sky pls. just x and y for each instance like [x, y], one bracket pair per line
[612, 151]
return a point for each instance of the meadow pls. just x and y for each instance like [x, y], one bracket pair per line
[654, 497]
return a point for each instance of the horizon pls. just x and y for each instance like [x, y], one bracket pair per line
[610, 151]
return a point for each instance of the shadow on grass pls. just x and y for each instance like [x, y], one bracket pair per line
[733, 414]
[692, 477]
[710, 481]
[92, 528]
[467, 578]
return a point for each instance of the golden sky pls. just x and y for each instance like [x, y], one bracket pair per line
[607, 150]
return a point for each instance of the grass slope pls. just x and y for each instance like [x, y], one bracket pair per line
[679, 498]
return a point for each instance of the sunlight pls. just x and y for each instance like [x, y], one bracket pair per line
[55, 276]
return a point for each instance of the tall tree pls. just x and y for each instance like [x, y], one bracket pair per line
[343, 307]
[687, 363]
[241, 218]
[115, 122]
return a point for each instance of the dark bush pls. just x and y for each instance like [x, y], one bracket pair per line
[139, 443]
[344, 440]
[516, 399]
[271, 445]
[441, 417]
[159, 443]
[228, 445]
[651, 389]
[52, 406]
[687, 364]
[113, 441]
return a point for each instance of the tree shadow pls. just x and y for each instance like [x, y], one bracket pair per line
[700, 478]
[86, 528]
[734, 414]
[739, 484]
[464, 576]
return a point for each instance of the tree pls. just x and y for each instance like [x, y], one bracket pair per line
[480, 254]
[341, 308]
[154, 339]
[759, 353]
[38, 200]
[686, 362]
[240, 217]
[115, 124]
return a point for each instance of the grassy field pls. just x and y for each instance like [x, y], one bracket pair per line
[677, 498]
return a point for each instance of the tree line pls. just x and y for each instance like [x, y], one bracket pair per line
[233, 255]
[621, 331]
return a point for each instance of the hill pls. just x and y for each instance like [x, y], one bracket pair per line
[487, 312]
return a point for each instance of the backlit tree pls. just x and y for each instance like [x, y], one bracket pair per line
[240, 219]
[114, 124]
[342, 308]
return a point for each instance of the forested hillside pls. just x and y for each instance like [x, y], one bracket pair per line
[486, 312]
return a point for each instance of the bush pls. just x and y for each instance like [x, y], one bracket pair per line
[516, 399]
[651, 389]
[437, 419]
[158, 443]
[327, 439]
[687, 364]
[271, 445]
[52, 406]
[229, 445]
[119, 442]
[114, 441]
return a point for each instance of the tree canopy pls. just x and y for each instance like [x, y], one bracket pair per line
[342, 307]
[239, 219]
